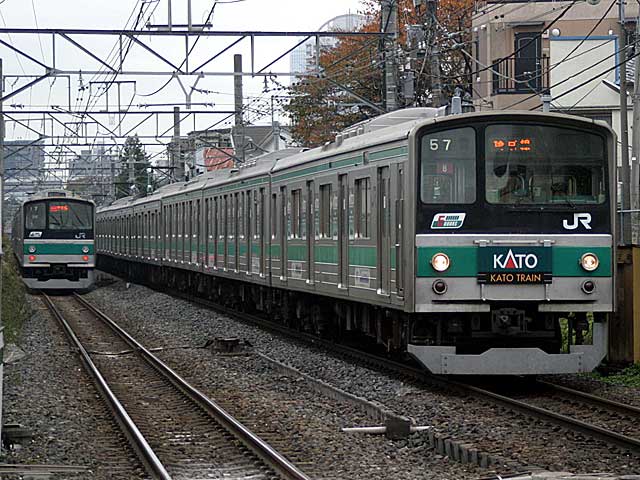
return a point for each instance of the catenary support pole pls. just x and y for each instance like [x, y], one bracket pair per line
[238, 99]
[635, 139]
[624, 130]
[389, 24]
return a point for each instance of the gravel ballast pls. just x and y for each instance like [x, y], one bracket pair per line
[528, 443]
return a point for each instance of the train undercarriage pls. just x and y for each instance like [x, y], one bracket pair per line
[547, 339]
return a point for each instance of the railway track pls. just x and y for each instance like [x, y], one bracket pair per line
[611, 422]
[175, 431]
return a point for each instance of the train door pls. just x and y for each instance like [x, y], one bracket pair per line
[249, 228]
[215, 229]
[236, 241]
[399, 232]
[310, 233]
[227, 205]
[384, 231]
[343, 231]
[260, 230]
[284, 232]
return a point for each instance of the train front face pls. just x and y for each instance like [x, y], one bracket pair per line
[58, 247]
[514, 245]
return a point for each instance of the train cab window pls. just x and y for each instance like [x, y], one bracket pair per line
[35, 216]
[70, 216]
[543, 164]
[448, 166]
[325, 211]
[362, 207]
[296, 214]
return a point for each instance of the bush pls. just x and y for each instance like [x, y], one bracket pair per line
[629, 377]
[14, 305]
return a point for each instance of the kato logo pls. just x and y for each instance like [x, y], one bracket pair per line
[517, 261]
[447, 220]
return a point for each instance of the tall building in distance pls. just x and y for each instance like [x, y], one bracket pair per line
[303, 58]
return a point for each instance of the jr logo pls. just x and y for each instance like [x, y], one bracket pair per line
[81, 235]
[583, 218]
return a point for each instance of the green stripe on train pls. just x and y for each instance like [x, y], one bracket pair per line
[565, 261]
[58, 248]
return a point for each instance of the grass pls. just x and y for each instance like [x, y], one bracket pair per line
[14, 306]
[628, 377]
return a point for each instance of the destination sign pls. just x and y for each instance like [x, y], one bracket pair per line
[514, 265]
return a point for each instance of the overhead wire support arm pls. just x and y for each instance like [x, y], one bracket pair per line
[27, 86]
[85, 50]
[153, 52]
[357, 96]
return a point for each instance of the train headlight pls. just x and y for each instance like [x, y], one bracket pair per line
[589, 261]
[85, 249]
[32, 249]
[440, 262]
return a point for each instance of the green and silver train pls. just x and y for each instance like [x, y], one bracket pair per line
[53, 241]
[478, 243]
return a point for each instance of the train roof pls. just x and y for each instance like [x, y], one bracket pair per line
[386, 128]
[56, 195]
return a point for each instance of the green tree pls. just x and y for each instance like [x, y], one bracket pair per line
[133, 157]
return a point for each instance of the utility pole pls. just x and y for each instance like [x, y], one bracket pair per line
[1, 233]
[635, 139]
[390, 25]
[238, 98]
[275, 127]
[624, 131]
[433, 52]
[175, 150]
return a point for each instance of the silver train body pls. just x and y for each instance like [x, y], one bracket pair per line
[478, 243]
[52, 239]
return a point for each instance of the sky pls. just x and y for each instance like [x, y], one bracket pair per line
[229, 15]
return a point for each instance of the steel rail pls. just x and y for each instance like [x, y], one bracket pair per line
[593, 399]
[419, 374]
[131, 431]
[258, 446]
[574, 424]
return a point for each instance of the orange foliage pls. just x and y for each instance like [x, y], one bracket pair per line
[319, 107]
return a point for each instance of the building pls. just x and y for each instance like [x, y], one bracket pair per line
[207, 150]
[303, 59]
[523, 51]
[566, 51]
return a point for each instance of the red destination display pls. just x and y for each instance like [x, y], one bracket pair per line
[58, 208]
[512, 145]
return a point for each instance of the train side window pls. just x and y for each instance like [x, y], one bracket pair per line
[296, 213]
[325, 211]
[362, 213]
[274, 216]
[241, 219]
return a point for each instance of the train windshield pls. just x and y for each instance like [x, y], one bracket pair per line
[65, 215]
[535, 164]
[58, 215]
[449, 167]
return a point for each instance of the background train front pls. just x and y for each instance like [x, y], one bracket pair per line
[52, 237]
